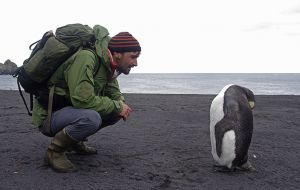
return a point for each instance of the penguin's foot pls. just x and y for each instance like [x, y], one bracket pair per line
[246, 167]
[219, 168]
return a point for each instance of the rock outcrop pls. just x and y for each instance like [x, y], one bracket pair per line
[8, 67]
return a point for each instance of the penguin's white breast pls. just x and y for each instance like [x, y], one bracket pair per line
[228, 149]
[216, 115]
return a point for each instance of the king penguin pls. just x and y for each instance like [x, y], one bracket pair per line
[231, 127]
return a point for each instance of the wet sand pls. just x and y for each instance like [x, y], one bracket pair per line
[165, 144]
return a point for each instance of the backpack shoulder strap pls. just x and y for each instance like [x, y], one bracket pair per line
[98, 64]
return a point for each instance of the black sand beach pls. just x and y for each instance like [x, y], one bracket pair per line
[165, 144]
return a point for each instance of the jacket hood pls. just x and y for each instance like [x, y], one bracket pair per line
[102, 38]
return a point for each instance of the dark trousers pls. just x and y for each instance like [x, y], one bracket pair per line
[77, 123]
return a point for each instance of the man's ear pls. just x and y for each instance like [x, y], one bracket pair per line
[117, 55]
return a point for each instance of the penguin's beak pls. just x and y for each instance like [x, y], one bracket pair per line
[251, 103]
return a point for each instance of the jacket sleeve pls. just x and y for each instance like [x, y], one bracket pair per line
[112, 90]
[79, 77]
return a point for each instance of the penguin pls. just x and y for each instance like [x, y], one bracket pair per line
[231, 128]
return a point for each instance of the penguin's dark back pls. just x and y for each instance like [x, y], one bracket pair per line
[236, 107]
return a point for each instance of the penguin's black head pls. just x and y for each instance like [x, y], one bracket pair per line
[250, 96]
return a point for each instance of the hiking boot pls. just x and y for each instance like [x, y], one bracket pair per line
[55, 155]
[81, 148]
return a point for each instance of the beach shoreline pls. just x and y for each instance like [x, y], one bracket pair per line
[165, 144]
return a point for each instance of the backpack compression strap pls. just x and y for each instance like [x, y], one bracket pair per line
[31, 98]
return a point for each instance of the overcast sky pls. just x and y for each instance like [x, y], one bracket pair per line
[177, 36]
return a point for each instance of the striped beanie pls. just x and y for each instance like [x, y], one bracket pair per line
[123, 42]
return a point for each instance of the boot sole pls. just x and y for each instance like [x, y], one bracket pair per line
[47, 163]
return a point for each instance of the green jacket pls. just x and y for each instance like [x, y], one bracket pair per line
[85, 89]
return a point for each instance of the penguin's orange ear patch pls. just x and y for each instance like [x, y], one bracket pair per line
[252, 104]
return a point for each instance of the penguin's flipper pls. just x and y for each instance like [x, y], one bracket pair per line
[221, 128]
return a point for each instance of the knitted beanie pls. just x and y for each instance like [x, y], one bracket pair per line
[123, 42]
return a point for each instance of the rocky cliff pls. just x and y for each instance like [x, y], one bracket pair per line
[8, 67]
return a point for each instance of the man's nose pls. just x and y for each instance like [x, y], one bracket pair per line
[135, 63]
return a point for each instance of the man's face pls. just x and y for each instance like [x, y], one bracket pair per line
[126, 61]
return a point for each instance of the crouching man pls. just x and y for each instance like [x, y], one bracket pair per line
[86, 97]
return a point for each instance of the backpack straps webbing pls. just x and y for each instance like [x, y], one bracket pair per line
[31, 98]
[98, 64]
[50, 104]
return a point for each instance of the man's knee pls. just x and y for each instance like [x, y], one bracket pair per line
[86, 124]
[91, 119]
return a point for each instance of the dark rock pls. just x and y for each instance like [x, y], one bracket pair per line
[8, 67]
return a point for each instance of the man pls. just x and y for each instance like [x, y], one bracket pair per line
[91, 98]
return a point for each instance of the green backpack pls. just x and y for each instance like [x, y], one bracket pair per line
[52, 50]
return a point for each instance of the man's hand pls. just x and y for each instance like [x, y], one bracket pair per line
[125, 111]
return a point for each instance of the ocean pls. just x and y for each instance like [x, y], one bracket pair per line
[196, 83]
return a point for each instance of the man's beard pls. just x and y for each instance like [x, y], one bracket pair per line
[124, 71]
